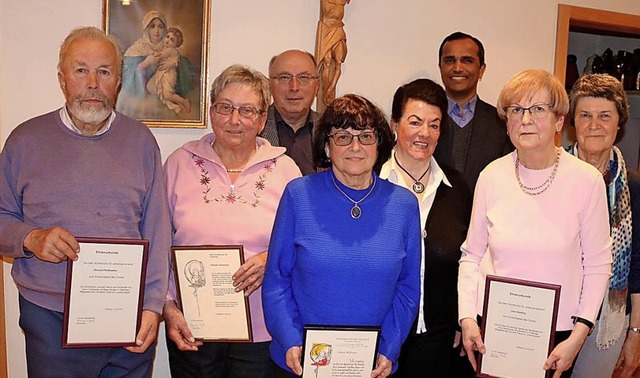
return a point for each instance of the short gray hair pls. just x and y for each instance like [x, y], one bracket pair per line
[600, 86]
[241, 74]
[90, 33]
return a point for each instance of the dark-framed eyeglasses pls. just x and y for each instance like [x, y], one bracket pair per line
[537, 111]
[343, 138]
[303, 78]
[245, 111]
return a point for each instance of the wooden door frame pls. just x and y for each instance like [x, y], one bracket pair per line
[3, 332]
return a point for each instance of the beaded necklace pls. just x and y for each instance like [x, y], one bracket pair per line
[537, 190]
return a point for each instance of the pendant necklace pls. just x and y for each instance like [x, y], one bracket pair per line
[417, 187]
[356, 211]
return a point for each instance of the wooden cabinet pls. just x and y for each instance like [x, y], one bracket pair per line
[586, 31]
[594, 22]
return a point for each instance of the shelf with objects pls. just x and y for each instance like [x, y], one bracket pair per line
[593, 40]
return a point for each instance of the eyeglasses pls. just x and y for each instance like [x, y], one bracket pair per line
[245, 111]
[303, 79]
[537, 111]
[344, 139]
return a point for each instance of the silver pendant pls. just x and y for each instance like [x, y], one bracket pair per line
[418, 187]
[356, 211]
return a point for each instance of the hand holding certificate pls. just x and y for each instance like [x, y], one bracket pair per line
[339, 352]
[518, 327]
[104, 291]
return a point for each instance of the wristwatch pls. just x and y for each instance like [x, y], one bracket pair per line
[589, 324]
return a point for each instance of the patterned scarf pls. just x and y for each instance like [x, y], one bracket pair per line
[612, 313]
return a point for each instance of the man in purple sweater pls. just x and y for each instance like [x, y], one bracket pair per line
[82, 170]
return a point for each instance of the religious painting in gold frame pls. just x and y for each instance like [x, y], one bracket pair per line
[165, 44]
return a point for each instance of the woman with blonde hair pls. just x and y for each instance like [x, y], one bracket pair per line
[224, 189]
[543, 214]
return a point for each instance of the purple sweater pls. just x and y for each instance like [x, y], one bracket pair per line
[109, 185]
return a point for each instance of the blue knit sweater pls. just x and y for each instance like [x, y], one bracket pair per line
[326, 268]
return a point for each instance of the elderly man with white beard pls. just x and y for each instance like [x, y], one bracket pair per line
[82, 170]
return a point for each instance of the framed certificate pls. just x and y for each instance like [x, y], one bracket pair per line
[214, 311]
[518, 327]
[329, 352]
[104, 293]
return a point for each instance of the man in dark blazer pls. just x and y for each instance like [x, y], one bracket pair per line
[474, 134]
[293, 80]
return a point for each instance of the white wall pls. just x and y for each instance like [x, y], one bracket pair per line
[390, 42]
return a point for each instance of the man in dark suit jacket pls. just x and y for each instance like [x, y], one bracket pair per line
[293, 80]
[474, 134]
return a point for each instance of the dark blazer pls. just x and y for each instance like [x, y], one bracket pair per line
[489, 141]
[633, 177]
[446, 226]
[270, 131]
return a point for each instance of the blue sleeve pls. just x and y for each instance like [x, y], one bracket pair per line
[634, 188]
[398, 322]
[280, 310]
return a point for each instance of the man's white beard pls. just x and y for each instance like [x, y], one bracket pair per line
[92, 114]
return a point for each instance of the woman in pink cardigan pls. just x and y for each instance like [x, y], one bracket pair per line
[543, 215]
[224, 189]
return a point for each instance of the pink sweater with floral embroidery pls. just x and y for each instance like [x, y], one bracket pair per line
[207, 209]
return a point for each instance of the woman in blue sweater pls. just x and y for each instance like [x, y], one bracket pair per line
[345, 248]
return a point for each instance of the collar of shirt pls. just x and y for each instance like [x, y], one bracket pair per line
[66, 119]
[391, 172]
[462, 115]
[280, 121]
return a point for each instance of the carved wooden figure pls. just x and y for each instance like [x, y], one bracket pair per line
[331, 48]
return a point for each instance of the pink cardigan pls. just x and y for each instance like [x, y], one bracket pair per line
[206, 210]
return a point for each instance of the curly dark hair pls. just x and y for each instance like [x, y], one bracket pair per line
[356, 112]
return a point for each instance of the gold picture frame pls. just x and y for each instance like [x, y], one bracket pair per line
[164, 79]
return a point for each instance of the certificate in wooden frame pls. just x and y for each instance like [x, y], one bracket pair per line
[518, 327]
[104, 293]
[211, 307]
[162, 86]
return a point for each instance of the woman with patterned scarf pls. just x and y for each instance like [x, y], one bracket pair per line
[598, 110]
